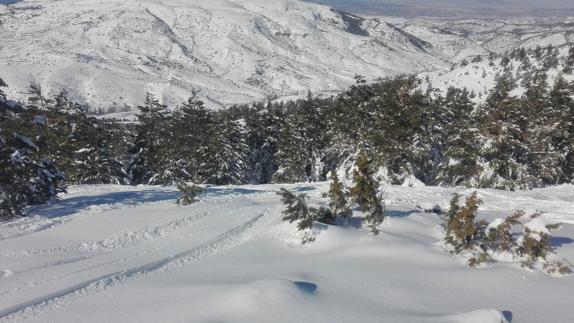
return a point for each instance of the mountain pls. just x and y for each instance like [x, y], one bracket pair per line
[111, 52]
[458, 38]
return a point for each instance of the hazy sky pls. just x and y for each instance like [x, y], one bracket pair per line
[463, 7]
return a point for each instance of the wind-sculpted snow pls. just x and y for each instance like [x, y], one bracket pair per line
[230, 258]
[228, 51]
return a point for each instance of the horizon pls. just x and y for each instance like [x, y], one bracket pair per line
[442, 8]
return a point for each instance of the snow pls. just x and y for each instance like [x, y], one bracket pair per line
[111, 253]
[537, 225]
[493, 225]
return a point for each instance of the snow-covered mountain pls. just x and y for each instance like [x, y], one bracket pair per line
[458, 38]
[110, 52]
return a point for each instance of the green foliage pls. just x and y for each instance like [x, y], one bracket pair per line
[189, 193]
[298, 210]
[501, 238]
[27, 175]
[463, 230]
[465, 233]
[365, 194]
[338, 199]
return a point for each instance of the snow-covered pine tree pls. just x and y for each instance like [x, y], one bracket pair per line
[194, 141]
[338, 198]
[149, 149]
[26, 178]
[461, 140]
[2, 86]
[569, 62]
[545, 163]
[365, 193]
[396, 134]
[262, 127]
[231, 153]
[292, 155]
[79, 143]
[501, 121]
[560, 123]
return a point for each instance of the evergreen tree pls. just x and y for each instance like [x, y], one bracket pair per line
[149, 149]
[501, 120]
[26, 178]
[462, 140]
[297, 210]
[365, 194]
[262, 135]
[337, 198]
[292, 156]
[231, 154]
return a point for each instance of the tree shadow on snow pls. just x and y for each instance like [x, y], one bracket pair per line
[560, 241]
[507, 315]
[221, 191]
[400, 214]
[75, 204]
[354, 222]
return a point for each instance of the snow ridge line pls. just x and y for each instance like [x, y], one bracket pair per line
[59, 299]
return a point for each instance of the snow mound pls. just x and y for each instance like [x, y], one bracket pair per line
[479, 316]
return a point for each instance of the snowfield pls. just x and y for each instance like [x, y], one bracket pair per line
[130, 254]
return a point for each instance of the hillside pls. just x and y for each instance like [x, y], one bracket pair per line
[112, 52]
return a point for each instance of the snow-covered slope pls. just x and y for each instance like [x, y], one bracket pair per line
[129, 254]
[480, 75]
[109, 52]
[461, 37]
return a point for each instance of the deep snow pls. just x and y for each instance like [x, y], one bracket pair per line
[130, 254]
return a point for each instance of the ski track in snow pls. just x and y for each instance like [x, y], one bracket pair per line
[58, 299]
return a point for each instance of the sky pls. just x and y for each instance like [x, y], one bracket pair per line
[456, 7]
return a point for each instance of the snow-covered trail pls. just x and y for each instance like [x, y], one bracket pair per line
[129, 254]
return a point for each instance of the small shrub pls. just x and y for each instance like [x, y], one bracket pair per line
[298, 210]
[462, 229]
[499, 236]
[536, 244]
[338, 199]
[189, 193]
[479, 238]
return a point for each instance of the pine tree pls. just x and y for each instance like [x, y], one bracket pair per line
[297, 210]
[2, 85]
[292, 156]
[338, 199]
[365, 194]
[502, 121]
[262, 131]
[189, 193]
[230, 154]
[149, 150]
[461, 140]
[26, 178]
[560, 126]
